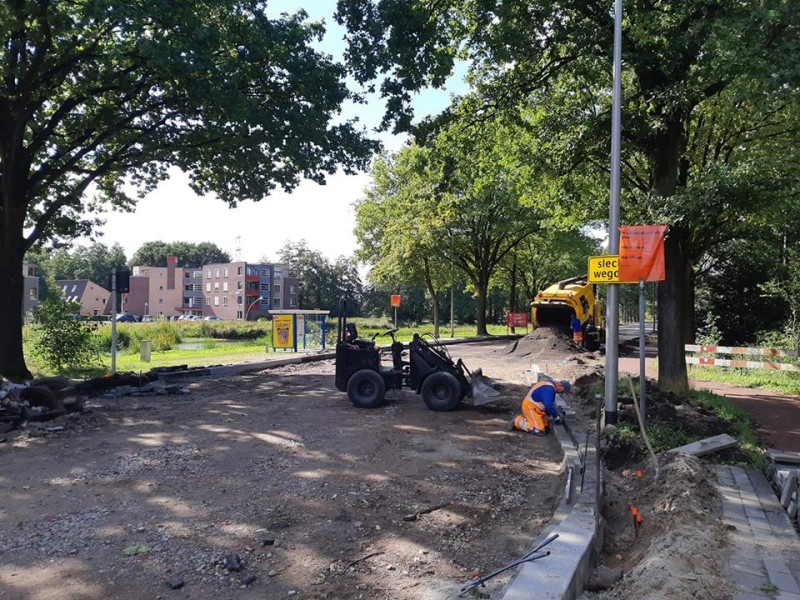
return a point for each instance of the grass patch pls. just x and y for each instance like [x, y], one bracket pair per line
[787, 382]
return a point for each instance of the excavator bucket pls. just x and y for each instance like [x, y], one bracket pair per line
[483, 390]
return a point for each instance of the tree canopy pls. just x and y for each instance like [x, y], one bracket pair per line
[155, 254]
[679, 60]
[98, 98]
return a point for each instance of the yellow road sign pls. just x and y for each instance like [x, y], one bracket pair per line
[605, 269]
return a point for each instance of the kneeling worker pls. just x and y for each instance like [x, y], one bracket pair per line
[539, 406]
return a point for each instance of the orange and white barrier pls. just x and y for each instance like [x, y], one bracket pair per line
[738, 363]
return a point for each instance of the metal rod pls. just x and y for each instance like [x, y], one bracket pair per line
[612, 309]
[642, 364]
[532, 555]
[113, 320]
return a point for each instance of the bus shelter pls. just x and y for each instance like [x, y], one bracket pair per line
[295, 329]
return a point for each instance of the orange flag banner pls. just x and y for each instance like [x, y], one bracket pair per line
[641, 252]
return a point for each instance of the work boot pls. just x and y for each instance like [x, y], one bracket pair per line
[539, 432]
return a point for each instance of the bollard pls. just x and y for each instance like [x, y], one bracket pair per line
[145, 346]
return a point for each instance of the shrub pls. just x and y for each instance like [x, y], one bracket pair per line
[60, 338]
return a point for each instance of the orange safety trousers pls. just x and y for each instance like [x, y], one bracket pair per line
[577, 337]
[534, 417]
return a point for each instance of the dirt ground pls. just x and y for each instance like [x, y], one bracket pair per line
[272, 485]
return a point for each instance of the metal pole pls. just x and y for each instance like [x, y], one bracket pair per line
[395, 317]
[452, 292]
[612, 309]
[113, 320]
[642, 366]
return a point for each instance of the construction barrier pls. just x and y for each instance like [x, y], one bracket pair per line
[739, 363]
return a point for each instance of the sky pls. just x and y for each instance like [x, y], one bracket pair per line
[324, 216]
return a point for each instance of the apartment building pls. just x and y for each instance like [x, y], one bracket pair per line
[30, 298]
[246, 291]
[95, 300]
[169, 291]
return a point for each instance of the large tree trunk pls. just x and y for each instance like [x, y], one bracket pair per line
[674, 312]
[480, 317]
[434, 299]
[12, 360]
[675, 296]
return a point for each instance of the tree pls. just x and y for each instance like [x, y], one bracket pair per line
[322, 283]
[405, 190]
[154, 254]
[678, 57]
[93, 262]
[97, 96]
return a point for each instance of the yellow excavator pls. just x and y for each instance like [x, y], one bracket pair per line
[555, 306]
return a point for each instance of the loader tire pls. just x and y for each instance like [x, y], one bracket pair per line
[366, 389]
[441, 391]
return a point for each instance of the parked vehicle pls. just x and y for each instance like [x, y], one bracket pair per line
[126, 318]
[211, 318]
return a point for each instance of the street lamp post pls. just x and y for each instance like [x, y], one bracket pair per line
[252, 304]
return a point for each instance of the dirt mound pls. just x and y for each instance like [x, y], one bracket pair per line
[544, 341]
[670, 558]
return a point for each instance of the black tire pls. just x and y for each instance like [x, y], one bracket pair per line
[366, 389]
[441, 391]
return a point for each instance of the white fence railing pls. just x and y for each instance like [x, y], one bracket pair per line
[715, 361]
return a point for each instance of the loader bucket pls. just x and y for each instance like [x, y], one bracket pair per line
[483, 391]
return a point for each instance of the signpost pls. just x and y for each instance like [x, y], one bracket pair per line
[395, 301]
[641, 259]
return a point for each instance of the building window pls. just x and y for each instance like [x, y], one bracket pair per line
[292, 302]
[277, 288]
[216, 286]
[276, 302]
[264, 287]
[224, 301]
[161, 301]
[32, 293]
[240, 270]
[74, 288]
[208, 286]
[216, 300]
[224, 272]
[216, 273]
[265, 272]
[265, 301]
[239, 285]
[208, 299]
[208, 274]
[224, 286]
[292, 289]
[278, 273]
[95, 312]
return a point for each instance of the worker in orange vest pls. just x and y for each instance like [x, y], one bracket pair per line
[539, 406]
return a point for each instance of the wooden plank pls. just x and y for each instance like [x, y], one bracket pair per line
[707, 445]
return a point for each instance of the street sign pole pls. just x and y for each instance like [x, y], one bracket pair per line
[642, 378]
[113, 320]
[612, 308]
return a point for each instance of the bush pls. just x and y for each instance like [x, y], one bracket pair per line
[60, 339]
